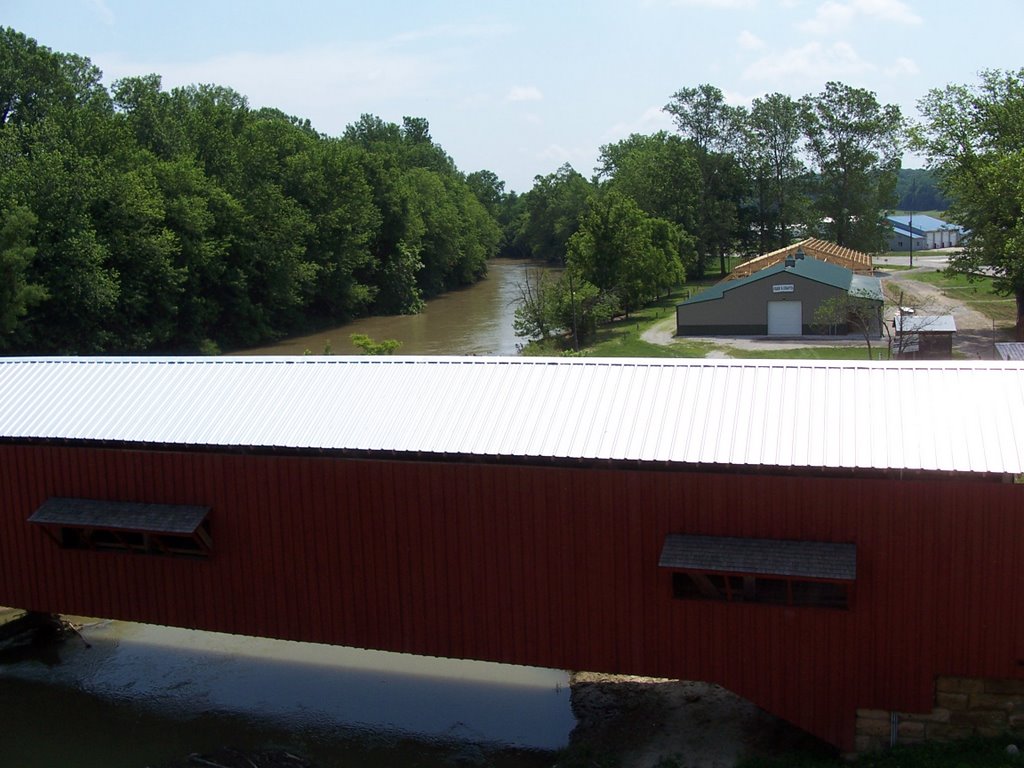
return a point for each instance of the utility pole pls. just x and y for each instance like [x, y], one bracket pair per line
[575, 330]
[911, 239]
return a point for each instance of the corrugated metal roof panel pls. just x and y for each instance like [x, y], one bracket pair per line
[949, 416]
[1010, 350]
[924, 323]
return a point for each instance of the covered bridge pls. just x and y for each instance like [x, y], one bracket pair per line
[808, 535]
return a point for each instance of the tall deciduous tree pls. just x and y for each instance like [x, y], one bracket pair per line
[622, 251]
[551, 214]
[661, 175]
[712, 126]
[771, 157]
[974, 137]
[855, 143]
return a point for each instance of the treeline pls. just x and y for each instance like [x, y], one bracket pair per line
[730, 181]
[140, 219]
[918, 190]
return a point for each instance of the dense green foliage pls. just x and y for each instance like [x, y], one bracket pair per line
[917, 189]
[732, 180]
[855, 144]
[974, 138]
[140, 219]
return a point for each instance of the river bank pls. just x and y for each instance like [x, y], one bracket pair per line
[86, 693]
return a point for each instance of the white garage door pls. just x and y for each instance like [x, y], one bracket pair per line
[785, 318]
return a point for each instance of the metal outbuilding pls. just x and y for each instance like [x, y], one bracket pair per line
[782, 299]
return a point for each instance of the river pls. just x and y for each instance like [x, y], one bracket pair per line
[130, 695]
[142, 695]
[476, 320]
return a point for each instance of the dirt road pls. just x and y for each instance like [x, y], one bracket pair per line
[975, 333]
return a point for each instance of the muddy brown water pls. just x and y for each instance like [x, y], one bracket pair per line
[471, 321]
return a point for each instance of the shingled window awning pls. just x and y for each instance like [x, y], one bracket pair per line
[764, 557]
[809, 573]
[135, 526]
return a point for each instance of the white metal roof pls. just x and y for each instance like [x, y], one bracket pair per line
[955, 416]
[924, 323]
[1010, 350]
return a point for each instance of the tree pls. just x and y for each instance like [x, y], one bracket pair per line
[660, 174]
[622, 251]
[855, 143]
[536, 305]
[704, 119]
[551, 214]
[770, 155]
[17, 295]
[918, 190]
[568, 305]
[974, 138]
[858, 311]
[488, 189]
[371, 347]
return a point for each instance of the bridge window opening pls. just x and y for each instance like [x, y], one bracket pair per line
[154, 529]
[767, 571]
[759, 589]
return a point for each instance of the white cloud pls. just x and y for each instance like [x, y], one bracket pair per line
[651, 120]
[749, 41]
[452, 31]
[103, 11]
[813, 61]
[331, 86]
[902, 66]
[579, 158]
[524, 93]
[833, 16]
[895, 11]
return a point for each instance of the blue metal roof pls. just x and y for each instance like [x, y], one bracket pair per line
[922, 224]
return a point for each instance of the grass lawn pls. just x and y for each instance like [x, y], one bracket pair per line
[976, 292]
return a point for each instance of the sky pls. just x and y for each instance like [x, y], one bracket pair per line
[519, 88]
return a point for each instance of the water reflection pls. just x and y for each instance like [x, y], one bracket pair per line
[243, 689]
[472, 321]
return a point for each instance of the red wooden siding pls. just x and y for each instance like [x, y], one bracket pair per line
[548, 566]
